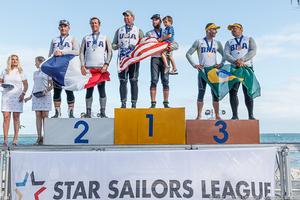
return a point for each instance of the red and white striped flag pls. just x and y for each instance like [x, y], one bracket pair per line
[146, 47]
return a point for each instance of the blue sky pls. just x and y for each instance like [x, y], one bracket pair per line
[28, 26]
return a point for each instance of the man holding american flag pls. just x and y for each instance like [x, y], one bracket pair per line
[125, 40]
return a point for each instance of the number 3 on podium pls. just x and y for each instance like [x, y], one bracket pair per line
[151, 119]
[223, 131]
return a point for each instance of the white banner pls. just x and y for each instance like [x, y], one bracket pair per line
[246, 173]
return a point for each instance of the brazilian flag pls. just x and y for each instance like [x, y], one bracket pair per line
[222, 80]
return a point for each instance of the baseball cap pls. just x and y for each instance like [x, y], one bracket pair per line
[155, 16]
[235, 25]
[211, 26]
[128, 12]
[64, 22]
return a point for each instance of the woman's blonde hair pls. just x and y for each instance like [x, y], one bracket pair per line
[9, 68]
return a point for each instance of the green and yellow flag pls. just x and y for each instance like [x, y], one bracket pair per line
[222, 80]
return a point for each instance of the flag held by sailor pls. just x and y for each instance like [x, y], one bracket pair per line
[146, 47]
[222, 80]
[65, 71]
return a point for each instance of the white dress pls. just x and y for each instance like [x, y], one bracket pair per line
[10, 98]
[40, 84]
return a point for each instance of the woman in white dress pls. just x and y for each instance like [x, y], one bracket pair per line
[12, 98]
[41, 97]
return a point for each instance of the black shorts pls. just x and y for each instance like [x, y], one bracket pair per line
[157, 69]
[57, 94]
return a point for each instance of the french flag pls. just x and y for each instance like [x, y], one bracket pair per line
[66, 71]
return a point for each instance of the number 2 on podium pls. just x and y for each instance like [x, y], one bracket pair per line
[150, 131]
[78, 139]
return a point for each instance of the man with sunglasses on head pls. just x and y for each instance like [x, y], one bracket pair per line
[62, 45]
[206, 49]
[95, 53]
[125, 40]
[240, 51]
[157, 66]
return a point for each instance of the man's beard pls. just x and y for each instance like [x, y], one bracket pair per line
[157, 26]
[212, 35]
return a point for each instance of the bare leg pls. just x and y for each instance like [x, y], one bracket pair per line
[153, 94]
[16, 118]
[71, 110]
[6, 122]
[38, 115]
[71, 106]
[216, 108]
[57, 104]
[45, 114]
[173, 63]
[166, 95]
[165, 60]
[199, 108]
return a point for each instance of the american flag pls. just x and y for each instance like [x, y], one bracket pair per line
[146, 47]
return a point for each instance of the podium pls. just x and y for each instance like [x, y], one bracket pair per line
[82, 131]
[222, 131]
[150, 126]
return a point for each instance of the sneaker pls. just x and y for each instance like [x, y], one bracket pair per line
[123, 105]
[167, 70]
[133, 105]
[153, 104]
[71, 115]
[102, 115]
[173, 72]
[57, 114]
[88, 113]
[251, 117]
[234, 118]
[166, 104]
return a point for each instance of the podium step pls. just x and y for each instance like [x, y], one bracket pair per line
[150, 126]
[222, 131]
[79, 131]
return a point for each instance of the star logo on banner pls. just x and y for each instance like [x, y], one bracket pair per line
[34, 182]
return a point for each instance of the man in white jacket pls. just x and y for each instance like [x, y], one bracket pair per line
[206, 49]
[125, 40]
[95, 53]
[240, 51]
[62, 45]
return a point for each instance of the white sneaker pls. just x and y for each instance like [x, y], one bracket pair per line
[167, 70]
[173, 72]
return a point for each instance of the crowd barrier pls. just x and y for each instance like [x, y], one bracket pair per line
[283, 190]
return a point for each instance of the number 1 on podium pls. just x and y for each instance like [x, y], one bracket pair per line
[150, 117]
